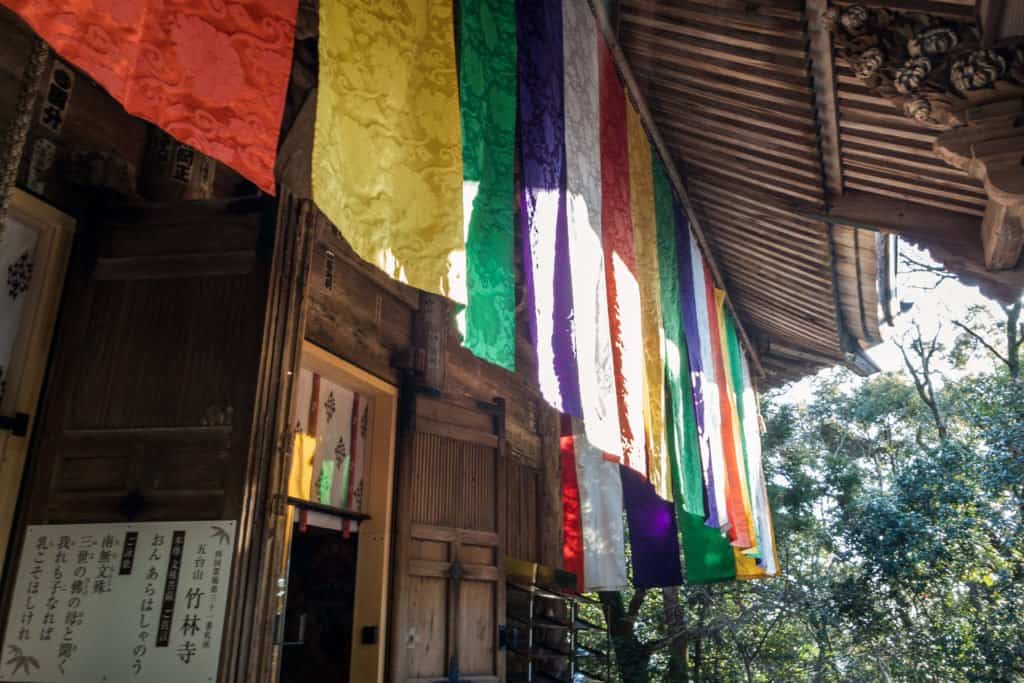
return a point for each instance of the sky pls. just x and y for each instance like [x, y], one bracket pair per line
[933, 308]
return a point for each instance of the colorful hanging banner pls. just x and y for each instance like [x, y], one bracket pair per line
[712, 453]
[708, 555]
[572, 525]
[213, 75]
[330, 458]
[583, 211]
[653, 535]
[624, 312]
[674, 375]
[759, 491]
[546, 271]
[734, 374]
[738, 531]
[645, 247]
[487, 102]
[691, 476]
[387, 157]
[600, 487]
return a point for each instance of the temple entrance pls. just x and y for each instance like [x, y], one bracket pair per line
[333, 578]
[318, 624]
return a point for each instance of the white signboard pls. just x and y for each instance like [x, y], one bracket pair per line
[112, 603]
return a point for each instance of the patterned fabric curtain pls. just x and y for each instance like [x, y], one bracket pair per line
[712, 448]
[546, 270]
[759, 491]
[728, 333]
[330, 460]
[624, 311]
[645, 247]
[583, 209]
[487, 98]
[387, 157]
[600, 487]
[212, 74]
[738, 531]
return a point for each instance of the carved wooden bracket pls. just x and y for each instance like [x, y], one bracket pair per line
[991, 148]
[937, 72]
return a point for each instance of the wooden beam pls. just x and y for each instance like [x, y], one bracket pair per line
[677, 182]
[951, 238]
[871, 212]
[779, 349]
[1002, 237]
[823, 73]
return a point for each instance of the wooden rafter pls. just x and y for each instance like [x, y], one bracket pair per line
[611, 36]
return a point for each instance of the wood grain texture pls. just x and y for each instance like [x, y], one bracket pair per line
[450, 542]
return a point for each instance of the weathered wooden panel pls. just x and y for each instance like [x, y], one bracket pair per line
[524, 509]
[477, 633]
[450, 477]
[355, 311]
[151, 393]
[449, 579]
[427, 645]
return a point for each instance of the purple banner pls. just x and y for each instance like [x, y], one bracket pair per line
[653, 534]
[548, 283]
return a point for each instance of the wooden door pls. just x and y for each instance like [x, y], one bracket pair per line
[34, 249]
[148, 409]
[449, 590]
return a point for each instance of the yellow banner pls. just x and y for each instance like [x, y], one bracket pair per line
[645, 248]
[387, 155]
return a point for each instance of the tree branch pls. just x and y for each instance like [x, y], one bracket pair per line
[635, 603]
[981, 341]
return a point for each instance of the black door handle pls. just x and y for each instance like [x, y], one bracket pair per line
[16, 425]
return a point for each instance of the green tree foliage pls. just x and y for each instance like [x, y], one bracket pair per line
[899, 511]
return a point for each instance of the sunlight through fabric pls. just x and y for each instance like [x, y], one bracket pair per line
[645, 248]
[487, 103]
[583, 211]
[620, 265]
[600, 487]
[545, 240]
[738, 532]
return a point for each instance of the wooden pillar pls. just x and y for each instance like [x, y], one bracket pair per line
[248, 637]
[430, 339]
[551, 512]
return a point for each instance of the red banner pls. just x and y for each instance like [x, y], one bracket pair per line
[212, 74]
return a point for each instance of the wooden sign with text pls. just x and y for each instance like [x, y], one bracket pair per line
[119, 602]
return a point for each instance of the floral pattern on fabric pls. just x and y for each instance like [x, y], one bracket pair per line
[387, 153]
[487, 101]
[212, 73]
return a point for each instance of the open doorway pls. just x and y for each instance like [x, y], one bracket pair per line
[320, 601]
[334, 575]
